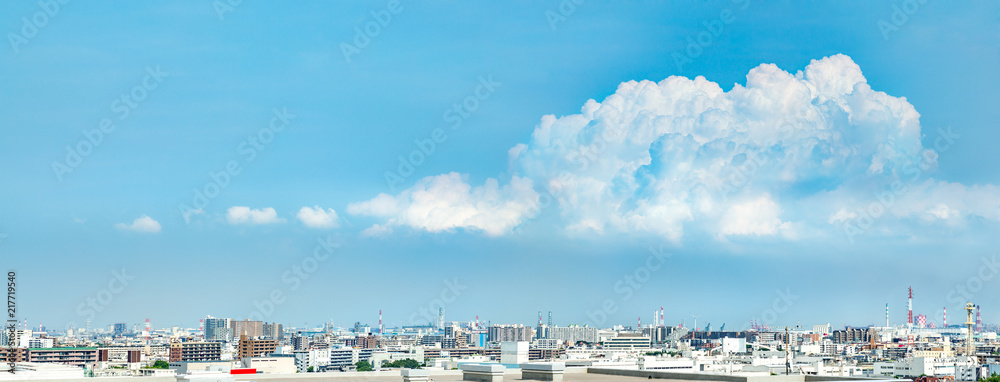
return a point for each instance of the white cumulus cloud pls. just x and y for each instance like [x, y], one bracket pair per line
[316, 217]
[247, 215]
[144, 224]
[447, 202]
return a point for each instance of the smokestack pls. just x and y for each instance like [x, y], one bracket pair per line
[909, 308]
[945, 317]
[380, 322]
[979, 320]
[661, 316]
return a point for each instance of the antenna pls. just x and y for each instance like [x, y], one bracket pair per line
[970, 348]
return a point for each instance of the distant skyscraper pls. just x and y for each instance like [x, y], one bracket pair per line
[217, 329]
[120, 329]
[252, 329]
[504, 333]
[273, 331]
[441, 318]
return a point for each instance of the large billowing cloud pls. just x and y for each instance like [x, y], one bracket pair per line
[817, 151]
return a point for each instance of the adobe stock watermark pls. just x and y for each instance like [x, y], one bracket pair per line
[293, 277]
[222, 7]
[363, 35]
[31, 26]
[452, 291]
[426, 147]
[900, 15]
[92, 305]
[964, 292]
[783, 301]
[864, 218]
[626, 287]
[565, 9]
[581, 159]
[713, 30]
[122, 107]
[789, 128]
[249, 148]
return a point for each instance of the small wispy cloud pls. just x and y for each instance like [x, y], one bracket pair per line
[316, 217]
[247, 215]
[143, 224]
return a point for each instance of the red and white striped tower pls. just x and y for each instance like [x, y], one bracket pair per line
[661, 316]
[945, 318]
[909, 309]
[380, 322]
[148, 330]
[201, 327]
[640, 323]
[979, 320]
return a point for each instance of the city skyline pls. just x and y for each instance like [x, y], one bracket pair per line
[588, 160]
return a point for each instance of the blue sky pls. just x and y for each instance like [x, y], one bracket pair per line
[224, 77]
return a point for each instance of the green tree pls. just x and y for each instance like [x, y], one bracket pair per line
[403, 363]
[364, 366]
[161, 364]
[993, 378]
[309, 369]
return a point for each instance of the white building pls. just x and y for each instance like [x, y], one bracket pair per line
[917, 366]
[734, 345]
[270, 365]
[573, 334]
[513, 352]
[628, 342]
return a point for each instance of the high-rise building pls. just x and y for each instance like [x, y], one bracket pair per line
[300, 342]
[573, 334]
[507, 333]
[252, 329]
[217, 329]
[249, 347]
[195, 351]
[367, 342]
[273, 331]
[120, 329]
